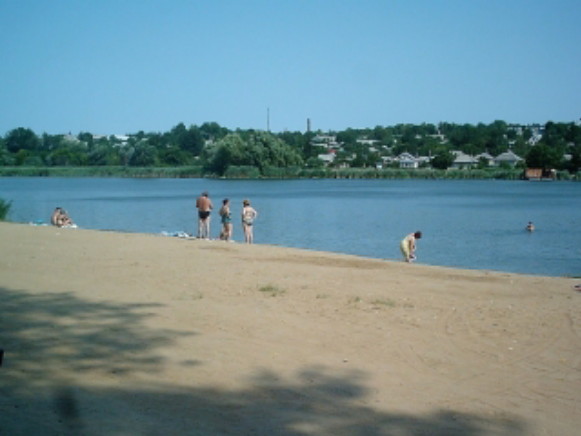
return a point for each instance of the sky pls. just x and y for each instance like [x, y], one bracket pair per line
[124, 66]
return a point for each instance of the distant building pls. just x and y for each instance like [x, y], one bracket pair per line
[406, 160]
[365, 141]
[540, 174]
[327, 158]
[487, 157]
[507, 157]
[464, 161]
[326, 141]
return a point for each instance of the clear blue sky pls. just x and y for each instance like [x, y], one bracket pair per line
[121, 66]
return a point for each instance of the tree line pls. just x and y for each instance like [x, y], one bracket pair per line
[219, 151]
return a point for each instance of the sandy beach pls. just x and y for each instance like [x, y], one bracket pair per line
[128, 334]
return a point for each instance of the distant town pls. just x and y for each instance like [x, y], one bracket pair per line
[212, 149]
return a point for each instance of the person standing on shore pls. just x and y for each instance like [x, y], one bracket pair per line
[204, 206]
[408, 246]
[226, 218]
[249, 214]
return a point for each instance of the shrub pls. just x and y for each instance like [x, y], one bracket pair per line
[4, 209]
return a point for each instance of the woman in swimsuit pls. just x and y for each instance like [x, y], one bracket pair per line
[226, 220]
[249, 214]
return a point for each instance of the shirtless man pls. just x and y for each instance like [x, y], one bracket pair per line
[408, 246]
[204, 205]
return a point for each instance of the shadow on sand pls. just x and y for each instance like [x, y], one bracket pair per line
[41, 334]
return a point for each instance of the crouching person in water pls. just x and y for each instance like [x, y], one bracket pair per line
[408, 246]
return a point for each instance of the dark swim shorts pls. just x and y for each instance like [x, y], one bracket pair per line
[203, 214]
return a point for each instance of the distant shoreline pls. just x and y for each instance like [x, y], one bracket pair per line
[308, 173]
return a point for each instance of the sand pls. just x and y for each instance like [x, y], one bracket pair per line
[128, 334]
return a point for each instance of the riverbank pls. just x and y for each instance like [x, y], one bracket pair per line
[274, 173]
[113, 333]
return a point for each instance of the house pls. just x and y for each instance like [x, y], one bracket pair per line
[507, 157]
[406, 160]
[327, 158]
[424, 160]
[485, 156]
[368, 142]
[463, 161]
[326, 141]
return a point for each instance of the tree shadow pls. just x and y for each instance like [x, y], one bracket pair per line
[40, 333]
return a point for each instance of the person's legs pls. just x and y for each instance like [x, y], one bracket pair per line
[200, 227]
[405, 251]
[206, 228]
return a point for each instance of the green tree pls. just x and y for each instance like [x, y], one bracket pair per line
[6, 158]
[103, 154]
[192, 141]
[21, 139]
[574, 165]
[543, 156]
[68, 155]
[174, 156]
[555, 134]
[228, 151]
[443, 159]
[189, 140]
[314, 162]
[266, 150]
[213, 131]
[87, 138]
[142, 155]
[258, 149]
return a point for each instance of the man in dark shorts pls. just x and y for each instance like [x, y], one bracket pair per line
[204, 205]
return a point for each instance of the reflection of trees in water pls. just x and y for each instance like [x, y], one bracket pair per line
[44, 333]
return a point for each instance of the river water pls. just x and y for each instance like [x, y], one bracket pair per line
[472, 224]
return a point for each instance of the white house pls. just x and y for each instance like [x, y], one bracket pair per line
[365, 141]
[327, 158]
[406, 160]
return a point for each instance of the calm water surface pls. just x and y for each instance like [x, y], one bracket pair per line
[468, 224]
